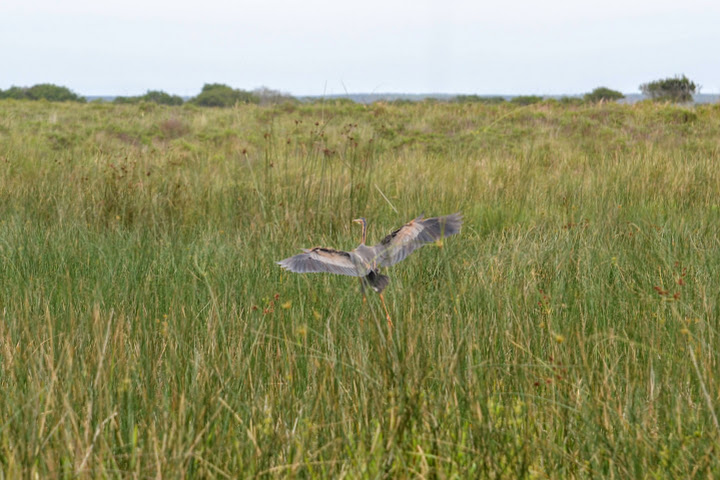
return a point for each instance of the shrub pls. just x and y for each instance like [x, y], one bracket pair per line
[526, 99]
[399, 102]
[603, 94]
[162, 98]
[219, 95]
[152, 96]
[126, 100]
[173, 128]
[570, 100]
[676, 89]
[16, 93]
[42, 91]
[478, 99]
[267, 96]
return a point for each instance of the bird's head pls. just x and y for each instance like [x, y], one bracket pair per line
[362, 222]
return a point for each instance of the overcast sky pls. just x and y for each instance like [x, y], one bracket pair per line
[311, 47]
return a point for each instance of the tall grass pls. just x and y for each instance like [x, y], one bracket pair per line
[571, 330]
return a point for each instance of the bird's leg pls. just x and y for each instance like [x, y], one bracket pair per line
[387, 314]
[364, 301]
[362, 288]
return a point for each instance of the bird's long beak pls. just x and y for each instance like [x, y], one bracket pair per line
[358, 220]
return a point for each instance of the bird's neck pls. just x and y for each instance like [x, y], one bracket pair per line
[364, 232]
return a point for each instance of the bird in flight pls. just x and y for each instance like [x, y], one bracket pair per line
[366, 261]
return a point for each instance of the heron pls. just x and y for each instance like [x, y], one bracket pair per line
[366, 261]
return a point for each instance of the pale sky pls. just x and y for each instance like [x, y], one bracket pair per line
[315, 47]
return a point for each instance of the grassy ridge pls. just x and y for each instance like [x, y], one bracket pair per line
[571, 330]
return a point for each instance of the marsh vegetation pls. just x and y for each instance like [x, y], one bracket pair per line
[570, 331]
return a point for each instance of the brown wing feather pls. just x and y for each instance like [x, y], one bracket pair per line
[413, 235]
[321, 259]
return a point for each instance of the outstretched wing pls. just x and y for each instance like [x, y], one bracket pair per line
[321, 259]
[413, 235]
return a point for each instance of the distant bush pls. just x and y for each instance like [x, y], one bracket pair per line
[268, 96]
[153, 96]
[399, 102]
[16, 93]
[162, 98]
[219, 95]
[42, 91]
[570, 101]
[340, 101]
[126, 100]
[526, 99]
[491, 100]
[676, 89]
[603, 94]
[173, 128]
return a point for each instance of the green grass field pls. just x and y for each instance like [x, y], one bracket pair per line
[570, 331]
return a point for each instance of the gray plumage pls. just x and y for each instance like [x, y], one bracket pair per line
[366, 261]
